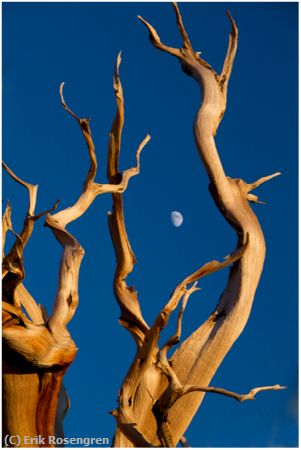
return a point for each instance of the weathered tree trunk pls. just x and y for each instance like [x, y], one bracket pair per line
[34, 361]
[37, 350]
[161, 396]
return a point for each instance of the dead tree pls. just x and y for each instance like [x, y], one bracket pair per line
[160, 394]
[37, 349]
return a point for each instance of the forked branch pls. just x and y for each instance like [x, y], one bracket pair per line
[131, 316]
[53, 344]
[230, 56]
[239, 397]
[197, 359]
[67, 297]
[176, 390]
[181, 290]
[175, 339]
[32, 189]
[12, 265]
[156, 41]
[85, 128]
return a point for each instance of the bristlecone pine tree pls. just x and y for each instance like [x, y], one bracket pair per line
[162, 390]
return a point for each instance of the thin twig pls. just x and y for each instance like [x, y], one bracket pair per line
[176, 337]
[262, 180]
[32, 189]
[183, 32]
[44, 213]
[156, 41]
[86, 131]
[239, 397]
[161, 321]
[65, 106]
[230, 56]
[131, 316]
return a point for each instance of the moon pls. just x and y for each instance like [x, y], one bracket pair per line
[176, 218]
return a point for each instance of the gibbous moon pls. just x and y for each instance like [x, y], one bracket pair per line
[176, 218]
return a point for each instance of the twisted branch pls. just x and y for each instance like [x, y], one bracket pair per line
[150, 346]
[67, 296]
[175, 339]
[198, 358]
[239, 397]
[12, 265]
[52, 343]
[131, 316]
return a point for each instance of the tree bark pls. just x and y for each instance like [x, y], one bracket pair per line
[37, 350]
[152, 396]
[159, 395]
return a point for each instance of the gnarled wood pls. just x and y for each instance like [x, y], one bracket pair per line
[131, 317]
[198, 358]
[146, 379]
[38, 349]
[159, 395]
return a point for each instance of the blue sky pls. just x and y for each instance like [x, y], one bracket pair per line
[47, 43]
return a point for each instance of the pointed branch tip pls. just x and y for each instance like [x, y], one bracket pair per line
[239, 397]
[156, 41]
[262, 180]
[142, 145]
[186, 41]
[54, 207]
[233, 24]
[66, 107]
[118, 62]
[61, 91]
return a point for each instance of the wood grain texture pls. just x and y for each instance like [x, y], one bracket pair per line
[160, 394]
[154, 386]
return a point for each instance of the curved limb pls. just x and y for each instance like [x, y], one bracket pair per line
[198, 358]
[230, 56]
[131, 316]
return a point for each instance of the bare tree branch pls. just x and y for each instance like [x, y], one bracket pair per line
[7, 226]
[143, 381]
[262, 180]
[23, 334]
[131, 316]
[34, 311]
[12, 265]
[154, 407]
[85, 128]
[14, 311]
[160, 323]
[155, 39]
[174, 340]
[239, 397]
[199, 356]
[90, 188]
[186, 42]
[230, 56]
[53, 344]
[47, 211]
[117, 127]
[176, 390]
[32, 189]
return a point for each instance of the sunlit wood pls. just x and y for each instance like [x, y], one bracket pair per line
[160, 393]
